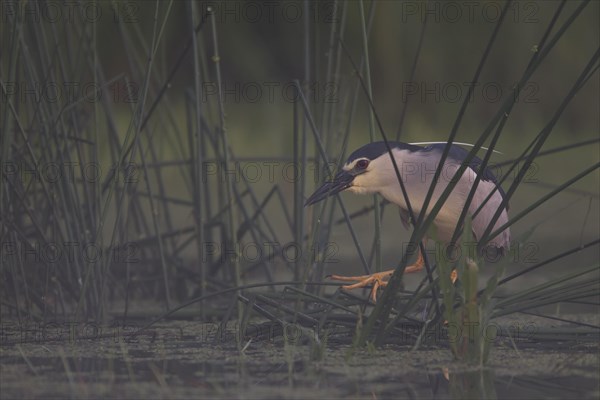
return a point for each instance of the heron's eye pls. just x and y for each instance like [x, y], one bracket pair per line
[362, 164]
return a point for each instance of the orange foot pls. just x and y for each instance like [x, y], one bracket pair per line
[377, 279]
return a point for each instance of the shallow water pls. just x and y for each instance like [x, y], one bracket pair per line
[194, 360]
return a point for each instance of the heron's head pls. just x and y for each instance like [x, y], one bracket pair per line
[367, 170]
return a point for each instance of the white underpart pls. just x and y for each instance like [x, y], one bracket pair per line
[417, 170]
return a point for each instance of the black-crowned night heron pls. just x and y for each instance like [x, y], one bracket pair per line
[370, 170]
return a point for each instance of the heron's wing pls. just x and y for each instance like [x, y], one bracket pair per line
[454, 143]
[459, 154]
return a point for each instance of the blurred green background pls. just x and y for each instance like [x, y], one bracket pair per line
[262, 50]
[264, 46]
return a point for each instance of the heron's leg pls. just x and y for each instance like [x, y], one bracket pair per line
[377, 279]
[417, 266]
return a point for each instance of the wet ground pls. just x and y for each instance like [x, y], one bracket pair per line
[176, 359]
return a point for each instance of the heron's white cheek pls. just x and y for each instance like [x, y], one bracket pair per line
[358, 190]
[362, 184]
